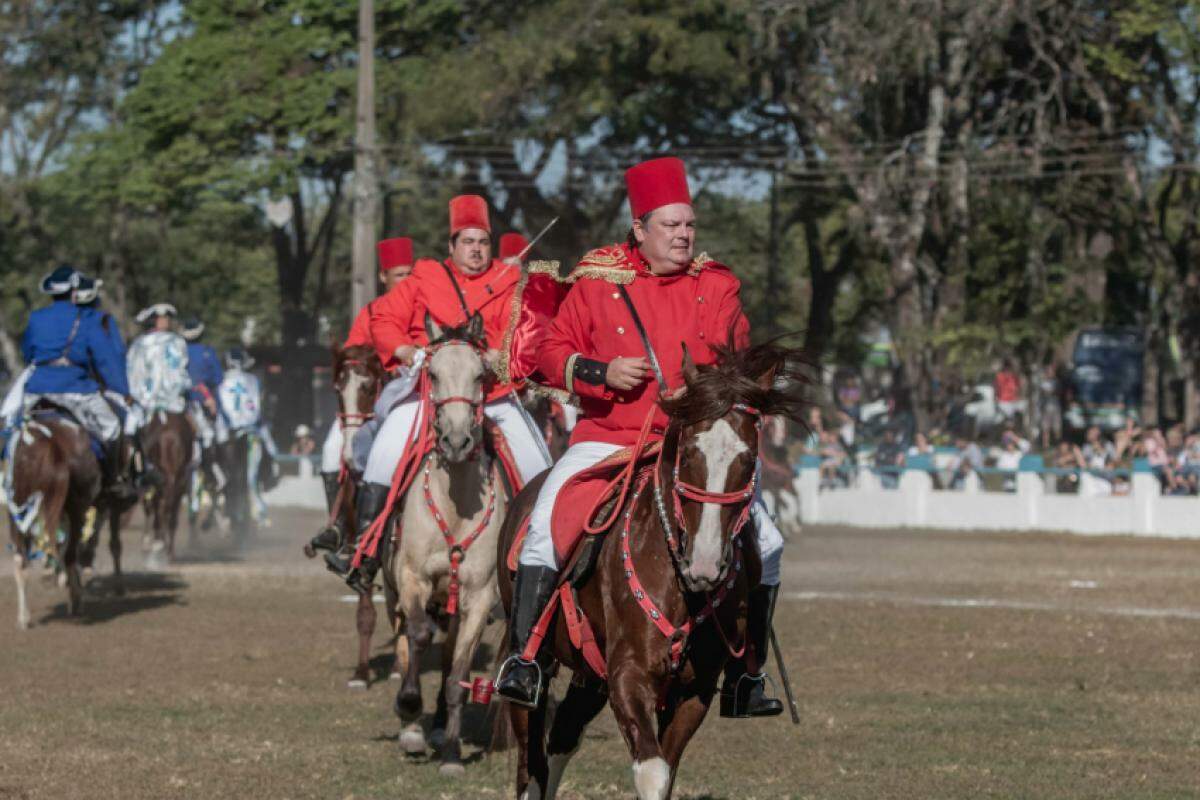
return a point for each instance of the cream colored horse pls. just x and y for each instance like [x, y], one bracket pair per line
[459, 484]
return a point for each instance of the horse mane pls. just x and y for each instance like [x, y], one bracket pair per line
[736, 377]
[462, 333]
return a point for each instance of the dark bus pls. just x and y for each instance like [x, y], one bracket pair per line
[1105, 378]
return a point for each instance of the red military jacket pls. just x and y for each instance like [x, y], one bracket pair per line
[398, 317]
[699, 306]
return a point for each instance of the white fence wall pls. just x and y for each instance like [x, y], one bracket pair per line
[916, 504]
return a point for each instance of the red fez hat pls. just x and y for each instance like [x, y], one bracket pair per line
[469, 211]
[396, 252]
[656, 183]
[511, 244]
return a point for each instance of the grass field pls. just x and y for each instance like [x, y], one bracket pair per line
[928, 665]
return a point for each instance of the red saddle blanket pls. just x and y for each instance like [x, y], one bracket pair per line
[581, 503]
[420, 444]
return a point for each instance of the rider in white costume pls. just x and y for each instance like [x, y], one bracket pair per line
[158, 363]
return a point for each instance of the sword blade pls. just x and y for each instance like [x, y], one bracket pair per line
[528, 247]
[783, 678]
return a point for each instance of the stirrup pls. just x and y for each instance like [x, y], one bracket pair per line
[734, 702]
[537, 692]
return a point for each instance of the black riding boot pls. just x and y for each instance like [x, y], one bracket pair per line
[116, 482]
[145, 475]
[372, 497]
[743, 694]
[330, 536]
[520, 681]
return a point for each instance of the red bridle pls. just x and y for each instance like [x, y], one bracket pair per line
[687, 491]
[359, 417]
[476, 404]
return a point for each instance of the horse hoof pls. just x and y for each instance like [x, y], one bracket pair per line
[24, 624]
[437, 738]
[452, 769]
[357, 684]
[412, 743]
[309, 552]
[156, 559]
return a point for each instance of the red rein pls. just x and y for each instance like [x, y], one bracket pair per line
[579, 627]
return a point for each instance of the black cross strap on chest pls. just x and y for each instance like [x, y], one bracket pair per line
[651, 356]
[63, 359]
[462, 298]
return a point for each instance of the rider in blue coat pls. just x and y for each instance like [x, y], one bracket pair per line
[204, 368]
[76, 357]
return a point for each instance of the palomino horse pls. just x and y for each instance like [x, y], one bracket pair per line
[167, 441]
[56, 478]
[447, 533]
[358, 378]
[666, 604]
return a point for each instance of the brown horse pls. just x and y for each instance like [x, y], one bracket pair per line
[358, 378]
[167, 442]
[667, 600]
[56, 479]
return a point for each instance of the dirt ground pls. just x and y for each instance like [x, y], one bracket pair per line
[928, 665]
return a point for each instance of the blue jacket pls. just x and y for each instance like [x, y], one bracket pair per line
[97, 350]
[204, 367]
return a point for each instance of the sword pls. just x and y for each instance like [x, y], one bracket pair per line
[783, 674]
[521, 255]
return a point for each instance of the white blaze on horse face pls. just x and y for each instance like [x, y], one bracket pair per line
[719, 445]
[651, 779]
[352, 390]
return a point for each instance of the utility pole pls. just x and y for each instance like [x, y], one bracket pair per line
[366, 164]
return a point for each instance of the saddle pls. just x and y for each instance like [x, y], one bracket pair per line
[45, 410]
[585, 509]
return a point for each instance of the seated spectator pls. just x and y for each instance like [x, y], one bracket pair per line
[889, 457]
[1188, 465]
[1155, 447]
[968, 459]
[1012, 448]
[1068, 456]
[303, 443]
[1099, 456]
[920, 446]
[815, 425]
[1125, 440]
[833, 458]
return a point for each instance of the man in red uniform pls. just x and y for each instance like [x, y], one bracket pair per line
[469, 282]
[512, 245]
[593, 350]
[395, 264]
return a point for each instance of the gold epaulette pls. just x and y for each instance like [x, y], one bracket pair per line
[544, 268]
[605, 263]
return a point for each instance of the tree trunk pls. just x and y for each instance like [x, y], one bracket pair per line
[366, 166]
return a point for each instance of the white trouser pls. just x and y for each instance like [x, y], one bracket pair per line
[525, 442]
[204, 426]
[570, 416]
[91, 410]
[331, 451]
[538, 549]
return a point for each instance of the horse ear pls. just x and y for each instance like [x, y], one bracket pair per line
[475, 327]
[767, 380]
[432, 329]
[690, 373]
